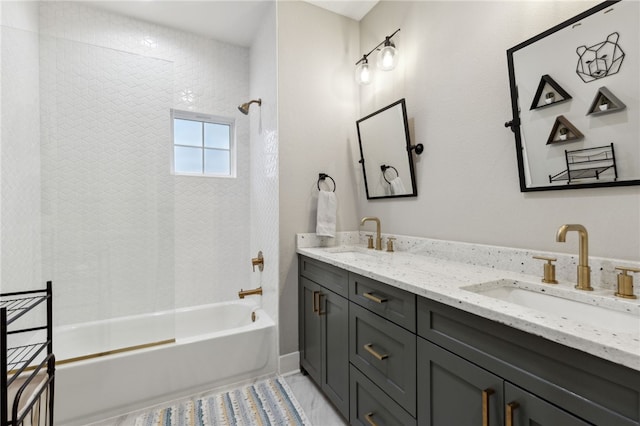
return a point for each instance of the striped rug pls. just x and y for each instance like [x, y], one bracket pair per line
[265, 403]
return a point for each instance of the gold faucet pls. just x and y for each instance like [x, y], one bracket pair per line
[378, 236]
[242, 293]
[584, 271]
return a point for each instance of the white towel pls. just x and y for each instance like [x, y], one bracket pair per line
[397, 187]
[326, 219]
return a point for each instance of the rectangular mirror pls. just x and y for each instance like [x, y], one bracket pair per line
[575, 101]
[385, 153]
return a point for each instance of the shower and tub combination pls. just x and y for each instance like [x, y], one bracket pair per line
[146, 264]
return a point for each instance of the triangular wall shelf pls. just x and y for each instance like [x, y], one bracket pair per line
[613, 104]
[549, 93]
[572, 134]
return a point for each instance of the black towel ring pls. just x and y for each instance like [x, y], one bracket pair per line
[322, 177]
[384, 168]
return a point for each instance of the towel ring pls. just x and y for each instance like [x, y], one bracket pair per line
[384, 168]
[322, 177]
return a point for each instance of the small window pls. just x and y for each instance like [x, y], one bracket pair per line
[203, 145]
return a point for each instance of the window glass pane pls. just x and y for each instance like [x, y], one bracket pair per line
[187, 132]
[216, 135]
[187, 160]
[216, 162]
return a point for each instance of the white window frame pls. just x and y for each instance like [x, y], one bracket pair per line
[205, 118]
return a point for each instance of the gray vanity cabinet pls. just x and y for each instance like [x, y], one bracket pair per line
[323, 330]
[385, 356]
[551, 383]
[453, 391]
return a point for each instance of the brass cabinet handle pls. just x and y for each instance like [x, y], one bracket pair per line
[320, 311]
[485, 406]
[511, 407]
[369, 348]
[315, 301]
[369, 418]
[374, 298]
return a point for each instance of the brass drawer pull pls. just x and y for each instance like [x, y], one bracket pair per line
[320, 311]
[485, 406]
[511, 407]
[374, 298]
[369, 418]
[315, 301]
[369, 348]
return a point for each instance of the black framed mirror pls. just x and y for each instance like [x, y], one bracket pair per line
[575, 101]
[385, 153]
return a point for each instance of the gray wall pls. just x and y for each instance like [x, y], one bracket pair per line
[453, 73]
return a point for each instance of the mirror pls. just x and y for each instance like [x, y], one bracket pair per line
[385, 153]
[575, 101]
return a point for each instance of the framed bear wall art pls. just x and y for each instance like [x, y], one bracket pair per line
[575, 98]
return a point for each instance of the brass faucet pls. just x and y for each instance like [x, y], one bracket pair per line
[242, 293]
[378, 236]
[584, 271]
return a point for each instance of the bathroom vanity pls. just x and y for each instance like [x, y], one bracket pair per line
[399, 338]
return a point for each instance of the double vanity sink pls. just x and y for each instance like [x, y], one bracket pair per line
[595, 322]
[410, 336]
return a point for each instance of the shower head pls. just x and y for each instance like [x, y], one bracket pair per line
[244, 108]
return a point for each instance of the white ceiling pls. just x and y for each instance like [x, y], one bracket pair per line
[231, 21]
[354, 9]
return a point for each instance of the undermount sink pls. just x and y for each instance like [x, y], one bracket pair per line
[351, 251]
[582, 307]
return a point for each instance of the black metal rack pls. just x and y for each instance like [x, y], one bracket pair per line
[27, 371]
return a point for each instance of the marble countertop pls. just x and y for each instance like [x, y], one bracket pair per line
[446, 281]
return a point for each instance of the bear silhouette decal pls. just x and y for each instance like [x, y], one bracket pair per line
[600, 60]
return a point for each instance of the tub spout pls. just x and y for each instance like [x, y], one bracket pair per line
[242, 293]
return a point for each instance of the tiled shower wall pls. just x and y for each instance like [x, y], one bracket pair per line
[211, 236]
[264, 162]
[107, 197]
[208, 233]
[20, 247]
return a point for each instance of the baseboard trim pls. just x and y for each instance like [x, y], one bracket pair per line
[289, 363]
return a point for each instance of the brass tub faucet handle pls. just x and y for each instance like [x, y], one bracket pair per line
[625, 282]
[549, 276]
[258, 261]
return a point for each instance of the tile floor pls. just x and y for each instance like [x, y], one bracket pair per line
[314, 404]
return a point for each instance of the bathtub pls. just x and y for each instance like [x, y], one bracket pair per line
[215, 345]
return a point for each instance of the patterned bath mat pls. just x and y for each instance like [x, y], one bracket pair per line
[266, 403]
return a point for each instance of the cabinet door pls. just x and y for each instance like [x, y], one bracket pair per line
[334, 314]
[310, 330]
[453, 391]
[523, 408]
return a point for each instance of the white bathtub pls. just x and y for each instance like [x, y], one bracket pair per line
[215, 345]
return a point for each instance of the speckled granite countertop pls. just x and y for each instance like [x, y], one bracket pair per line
[444, 280]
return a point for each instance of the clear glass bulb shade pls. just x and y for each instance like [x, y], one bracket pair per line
[363, 73]
[388, 57]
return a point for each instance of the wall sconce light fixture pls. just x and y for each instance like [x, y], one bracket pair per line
[387, 59]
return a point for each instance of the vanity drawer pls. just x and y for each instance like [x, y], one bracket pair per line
[328, 276]
[392, 303]
[370, 405]
[385, 353]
